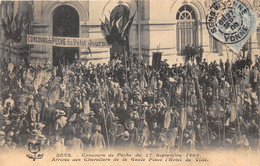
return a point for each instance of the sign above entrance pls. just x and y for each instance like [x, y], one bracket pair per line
[66, 41]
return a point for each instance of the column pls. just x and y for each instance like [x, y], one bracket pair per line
[204, 39]
[2, 43]
[254, 45]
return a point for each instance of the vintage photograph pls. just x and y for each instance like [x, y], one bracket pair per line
[169, 76]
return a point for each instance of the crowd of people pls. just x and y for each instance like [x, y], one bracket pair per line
[180, 107]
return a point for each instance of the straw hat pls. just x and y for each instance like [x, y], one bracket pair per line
[142, 117]
[30, 96]
[83, 116]
[8, 122]
[5, 116]
[41, 137]
[62, 86]
[91, 113]
[72, 118]
[126, 135]
[98, 127]
[35, 132]
[24, 112]
[2, 133]
[172, 80]
[61, 112]
[40, 126]
[145, 104]
[116, 118]
[66, 104]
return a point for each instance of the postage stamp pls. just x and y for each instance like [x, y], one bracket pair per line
[229, 21]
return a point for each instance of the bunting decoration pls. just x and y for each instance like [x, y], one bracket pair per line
[14, 27]
[116, 30]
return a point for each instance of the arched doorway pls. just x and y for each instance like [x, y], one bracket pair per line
[187, 28]
[66, 24]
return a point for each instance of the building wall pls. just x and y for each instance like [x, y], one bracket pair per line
[154, 27]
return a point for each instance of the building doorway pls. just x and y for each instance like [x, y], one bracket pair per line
[65, 24]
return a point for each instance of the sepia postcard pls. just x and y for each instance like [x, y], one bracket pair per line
[130, 82]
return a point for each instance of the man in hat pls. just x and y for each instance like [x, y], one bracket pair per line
[143, 128]
[123, 140]
[145, 107]
[154, 132]
[122, 112]
[126, 91]
[86, 107]
[60, 121]
[97, 140]
[92, 119]
[137, 97]
[188, 139]
[162, 141]
[42, 140]
[143, 139]
[21, 106]
[30, 102]
[7, 109]
[143, 123]
[57, 143]
[193, 100]
[209, 97]
[48, 117]
[86, 131]
[119, 96]
[134, 116]
[10, 100]
[73, 143]
[133, 133]
[114, 131]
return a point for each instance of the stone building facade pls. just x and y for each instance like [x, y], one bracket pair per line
[164, 25]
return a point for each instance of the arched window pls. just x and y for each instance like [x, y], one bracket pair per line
[185, 13]
[187, 28]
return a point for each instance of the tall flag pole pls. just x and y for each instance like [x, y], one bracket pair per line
[103, 111]
[234, 113]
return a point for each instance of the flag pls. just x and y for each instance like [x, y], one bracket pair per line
[7, 30]
[106, 33]
[119, 24]
[127, 27]
[233, 111]
[15, 22]
[89, 51]
[9, 20]
[17, 28]
[107, 23]
[31, 11]
[167, 119]
[4, 24]
[86, 107]
[183, 118]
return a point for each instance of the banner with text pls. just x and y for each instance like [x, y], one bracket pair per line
[67, 41]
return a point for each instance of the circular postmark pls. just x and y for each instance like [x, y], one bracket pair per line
[229, 21]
